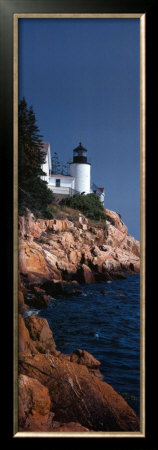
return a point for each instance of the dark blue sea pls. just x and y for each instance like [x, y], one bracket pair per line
[105, 321]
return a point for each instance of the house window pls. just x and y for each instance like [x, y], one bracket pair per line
[57, 182]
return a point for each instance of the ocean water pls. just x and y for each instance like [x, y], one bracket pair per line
[105, 321]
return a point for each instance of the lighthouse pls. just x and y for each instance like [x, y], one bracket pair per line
[80, 169]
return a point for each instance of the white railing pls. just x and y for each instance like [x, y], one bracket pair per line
[63, 190]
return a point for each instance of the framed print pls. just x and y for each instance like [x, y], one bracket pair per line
[80, 283]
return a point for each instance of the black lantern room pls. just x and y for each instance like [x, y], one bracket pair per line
[80, 154]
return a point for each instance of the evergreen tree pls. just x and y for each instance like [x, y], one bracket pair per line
[64, 169]
[33, 192]
[56, 165]
[59, 167]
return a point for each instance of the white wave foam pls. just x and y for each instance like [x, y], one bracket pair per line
[31, 312]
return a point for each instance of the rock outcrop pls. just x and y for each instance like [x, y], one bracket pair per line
[66, 392]
[60, 252]
[34, 405]
[41, 334]
[34, 409]
[61, 392]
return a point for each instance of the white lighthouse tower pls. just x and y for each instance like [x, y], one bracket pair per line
[80, 169]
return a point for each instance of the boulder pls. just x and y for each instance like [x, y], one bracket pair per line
[88, 360]
[137, 266]
[69, 289]
[61, 288]
[95, 250]
[102, 277]
[75, 256]
[117, 221]
[38, 301]
[41, 334]
[34, 405]
[31, 259]
[84, 226]
[85, 274]
[37, 263]
[115, 236]
[25, 343]
[76, 394]
[59, 225]
[34, 409]
[84, 358]
[82, 219]
[79, 396]
[34, 396]
[116, 275]
[29, 228]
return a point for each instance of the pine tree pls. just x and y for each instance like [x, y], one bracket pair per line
[64, 170]
[59, 167]
[56, 165]
[33, 192]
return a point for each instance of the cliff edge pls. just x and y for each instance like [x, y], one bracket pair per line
[55, 253]
[66, 392]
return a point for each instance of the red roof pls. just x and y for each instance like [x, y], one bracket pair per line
[101, 189]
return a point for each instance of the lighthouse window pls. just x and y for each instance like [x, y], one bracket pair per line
[57, 182]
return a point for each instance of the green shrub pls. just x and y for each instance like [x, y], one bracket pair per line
[89, 205]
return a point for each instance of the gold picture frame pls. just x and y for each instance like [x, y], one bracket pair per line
[142, 18]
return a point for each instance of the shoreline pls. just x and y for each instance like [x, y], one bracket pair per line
[113, 300]
[56, 258]
[64, 392]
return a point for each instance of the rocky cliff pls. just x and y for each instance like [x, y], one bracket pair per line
[58, 254]
[65, 392]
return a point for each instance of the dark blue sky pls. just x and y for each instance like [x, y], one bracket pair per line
[82, 78]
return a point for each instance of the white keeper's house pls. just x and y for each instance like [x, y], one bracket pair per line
[79, 179]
